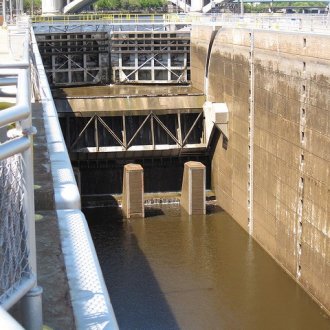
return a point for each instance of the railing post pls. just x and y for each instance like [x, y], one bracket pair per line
[32, 309]
[31, 302]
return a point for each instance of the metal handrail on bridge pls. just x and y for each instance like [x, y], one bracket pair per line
[89, 296]
[287, 22]
[18, 271]
[281, 22]
[109, 17]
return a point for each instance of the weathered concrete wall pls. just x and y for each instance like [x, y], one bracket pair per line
[276, 86]
[200, 39]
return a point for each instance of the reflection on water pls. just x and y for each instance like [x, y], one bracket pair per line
[171, 271]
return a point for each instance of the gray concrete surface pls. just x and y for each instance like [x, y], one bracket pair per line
[57, 309]
[272, 175]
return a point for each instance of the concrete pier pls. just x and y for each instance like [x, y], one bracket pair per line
[193, 188]
[133, 191]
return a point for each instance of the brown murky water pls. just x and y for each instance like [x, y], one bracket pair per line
[171, 271]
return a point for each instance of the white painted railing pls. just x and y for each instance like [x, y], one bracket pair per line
[283, 22]
[18, 273]
[91, 304]
[317, 23]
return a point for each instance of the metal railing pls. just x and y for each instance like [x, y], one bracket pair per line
[109, 18]
[281, 22]
[298, 22]
[18, 273]
[90, 300]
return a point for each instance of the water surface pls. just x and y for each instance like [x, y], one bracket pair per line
[172, 271]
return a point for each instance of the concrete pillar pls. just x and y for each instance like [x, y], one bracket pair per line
[133, 191]
[196, 5]
[193, 188]
[52, 6]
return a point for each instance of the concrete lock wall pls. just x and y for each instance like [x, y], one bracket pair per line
[273, 175]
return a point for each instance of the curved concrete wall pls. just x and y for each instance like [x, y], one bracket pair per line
[76, 5]
[273, 174]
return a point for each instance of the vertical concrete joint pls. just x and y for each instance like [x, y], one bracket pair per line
[251, 134]
[133, 191]
[193, 188]
[300, 199]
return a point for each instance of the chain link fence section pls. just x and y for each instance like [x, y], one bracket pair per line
[14, 264]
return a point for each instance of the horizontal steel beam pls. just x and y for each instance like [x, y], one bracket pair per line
[20, 290]
[13, 147]
[12, 114]
[8, 81]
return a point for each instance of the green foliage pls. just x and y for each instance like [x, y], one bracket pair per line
[301, 4]
[5, 105]
[28, 5]
[107, 4]
[264, 7]
[128, 4]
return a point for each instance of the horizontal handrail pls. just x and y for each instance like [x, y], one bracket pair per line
[120, 17]
[19, 292]
[8, 322]
[261, 21]
[8, 80]
[65, 187]
[89, 295]
[15, 70]
[13, 147]
[90, 299]
[14, 113]
[21, 110]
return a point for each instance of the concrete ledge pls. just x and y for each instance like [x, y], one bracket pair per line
[90, 300]
[89, 296]
[65, 187]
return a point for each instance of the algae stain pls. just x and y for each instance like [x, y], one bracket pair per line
[46, 327]
[38, 217]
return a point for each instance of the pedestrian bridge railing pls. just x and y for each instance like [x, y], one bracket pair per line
[18, 277]
[102, 17]
[283, 22]
[90, 300]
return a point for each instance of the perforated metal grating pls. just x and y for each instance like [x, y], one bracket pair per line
[90, 300]
[14, 266]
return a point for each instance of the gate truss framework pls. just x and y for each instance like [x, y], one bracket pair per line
[116, 135]
[150, 56]
[75, 58]
[84, 58]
